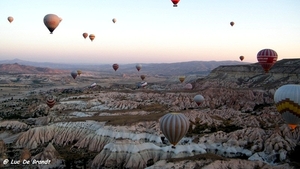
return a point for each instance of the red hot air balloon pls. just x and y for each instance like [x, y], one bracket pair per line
[242, 58]
[175, 2]
[267, 58]
[85, 35]
[51, 101]
[115, 66]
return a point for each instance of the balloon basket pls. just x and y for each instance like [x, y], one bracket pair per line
[174, 5]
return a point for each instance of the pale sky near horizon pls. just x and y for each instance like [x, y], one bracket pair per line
[149, 31]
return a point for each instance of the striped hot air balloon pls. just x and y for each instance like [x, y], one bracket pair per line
[287, 100]
[50, 101]
[174, 126]
[267, 58]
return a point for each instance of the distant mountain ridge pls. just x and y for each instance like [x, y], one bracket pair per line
[24, 69]
[163, 69]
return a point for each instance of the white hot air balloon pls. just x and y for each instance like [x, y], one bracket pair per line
[287, 100]
[199, 99]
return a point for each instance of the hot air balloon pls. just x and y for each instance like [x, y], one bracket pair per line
[10, 19]
[74, 74]
[242, 58]
[199, 99]
[85, 35]
[114, 20]
[138, 67]
[143, 77]
[51, 21]
[50, 101]
[175, 2]
[188, 86]
[92, 37]
[181, 78]
[287, 102]
[174, 126]
[115, 66]
[79, 72]
[231, 23]
[267, 58]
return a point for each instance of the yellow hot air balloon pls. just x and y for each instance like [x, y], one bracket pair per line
[92, 37]
[181, 78]
[52, 21]
[79, 72]
[10, 19]
[174, 126]
[114, 20]
[287, 100]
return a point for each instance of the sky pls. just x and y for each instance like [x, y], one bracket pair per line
[149, 31]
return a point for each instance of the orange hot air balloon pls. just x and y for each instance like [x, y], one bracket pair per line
[242, 58]
[10, 19]
[231, 23]
[50, 101]
[85, 35]
[114, 20]
[115, 66]
[52, 21]
[174, 126]
[92, 37]
[267, 58]
[175, 2]
[143, 77]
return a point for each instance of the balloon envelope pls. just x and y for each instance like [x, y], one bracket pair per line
[174, 126]
[267, 58]
[114, 20]
[199, 99]
[231, 23]
[188, 86]
[10, 19]
[52, 21]
[50, 101]
[92, 37]
[181, 78]
[242, 58]
[85, 35]
[138, 67]
[79, 72]
[287, 102]
[115, 66]
[143, 77]
[74, 74]
[175, 2]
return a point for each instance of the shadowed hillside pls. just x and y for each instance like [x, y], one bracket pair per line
[23, 69]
